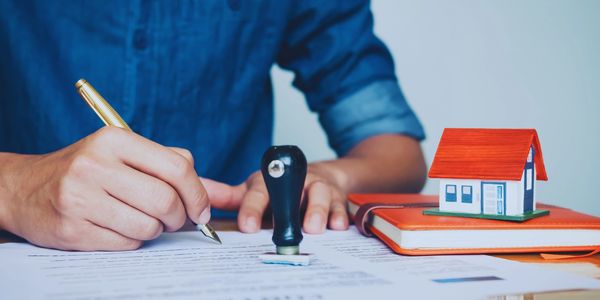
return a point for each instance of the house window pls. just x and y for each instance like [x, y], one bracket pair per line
[450, 193]
[529, 179]
[467, 194]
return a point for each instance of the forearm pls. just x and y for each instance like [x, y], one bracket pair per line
[7, 170]
[388, 163]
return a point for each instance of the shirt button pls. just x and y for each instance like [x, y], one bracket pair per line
[140, 40]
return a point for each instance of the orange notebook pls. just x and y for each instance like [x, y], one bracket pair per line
[408, 231]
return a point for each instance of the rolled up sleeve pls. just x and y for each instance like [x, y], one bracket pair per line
[378, 108]
[346, 72]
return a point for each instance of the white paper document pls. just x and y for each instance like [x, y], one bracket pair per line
[345, 265]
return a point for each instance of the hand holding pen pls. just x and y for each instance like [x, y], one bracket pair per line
[111, 118]
[111, 190]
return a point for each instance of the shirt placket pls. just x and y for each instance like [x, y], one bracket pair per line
[141, 88]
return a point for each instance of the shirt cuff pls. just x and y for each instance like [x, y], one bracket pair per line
[378, 108]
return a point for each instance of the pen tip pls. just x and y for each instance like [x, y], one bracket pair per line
[209, 232]
[217, 239]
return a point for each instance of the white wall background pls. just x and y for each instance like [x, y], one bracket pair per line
[509, 64]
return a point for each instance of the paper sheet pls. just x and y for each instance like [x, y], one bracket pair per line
[186, 266]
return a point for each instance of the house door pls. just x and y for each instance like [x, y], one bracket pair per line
[528, 182]
[493, 198]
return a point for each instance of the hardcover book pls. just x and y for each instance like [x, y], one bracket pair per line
[408, 231]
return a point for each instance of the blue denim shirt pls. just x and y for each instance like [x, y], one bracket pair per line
[194, 74]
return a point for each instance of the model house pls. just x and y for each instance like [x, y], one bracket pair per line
[488, 171]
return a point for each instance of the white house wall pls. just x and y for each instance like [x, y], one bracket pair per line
[514, 196]
[458, 206]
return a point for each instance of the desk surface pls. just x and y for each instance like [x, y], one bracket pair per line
[586, 266]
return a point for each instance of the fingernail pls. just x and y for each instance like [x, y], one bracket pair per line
[316, 222]
[338, 223]
[204, 216]
[251, 225]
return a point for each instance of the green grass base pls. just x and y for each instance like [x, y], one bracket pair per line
[516, 218]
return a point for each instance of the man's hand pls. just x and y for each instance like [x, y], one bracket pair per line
[326, 201]
[109, 191]
[384, 163]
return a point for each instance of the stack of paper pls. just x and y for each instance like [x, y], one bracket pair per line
[186, 266]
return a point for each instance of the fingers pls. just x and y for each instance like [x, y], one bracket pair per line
[121, 218]
[185, 153]
[145, 193]
[108, 240]
[253, 205]
[326, 206]
[162, 163]
[222, 195]
[102, 239]
[338, 217]
[317, 211]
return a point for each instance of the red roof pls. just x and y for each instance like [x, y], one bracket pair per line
[474, 153]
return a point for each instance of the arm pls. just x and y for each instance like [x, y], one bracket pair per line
[347, 76]
[94, 194]
[387, 163]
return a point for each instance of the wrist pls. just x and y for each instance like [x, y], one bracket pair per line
[10, 169]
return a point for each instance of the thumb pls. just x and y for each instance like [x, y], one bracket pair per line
[223, 196]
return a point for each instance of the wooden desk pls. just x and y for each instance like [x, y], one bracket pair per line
[586, 266]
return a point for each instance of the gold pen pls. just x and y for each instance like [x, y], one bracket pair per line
[111, 118]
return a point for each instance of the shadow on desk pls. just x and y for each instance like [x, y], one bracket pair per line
[7, 237]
